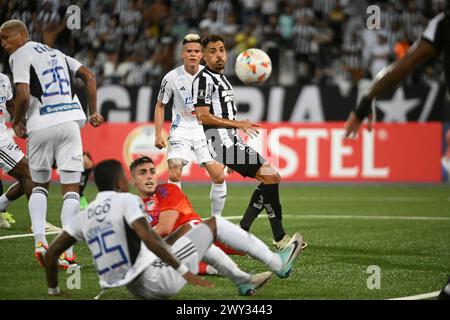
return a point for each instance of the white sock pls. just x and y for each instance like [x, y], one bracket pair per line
[37, 205]
[4, 202]
[178, 183]
[223, 263]
[241, 240]
[218, 196]
[71, 206]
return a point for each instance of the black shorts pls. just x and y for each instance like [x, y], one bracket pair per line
[234, 153]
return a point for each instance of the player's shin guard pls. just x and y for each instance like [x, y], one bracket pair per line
[71, 206]
[37, 205]
[254, 209]
[218, 195]
[223, 263]
[273, 207]
[241, 240]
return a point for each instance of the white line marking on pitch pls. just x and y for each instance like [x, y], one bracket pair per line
[324, 216]
[345, 198]
[302, 216]
[14, 236]
[419, 296]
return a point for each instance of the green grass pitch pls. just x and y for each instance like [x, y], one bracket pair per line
[404, 230]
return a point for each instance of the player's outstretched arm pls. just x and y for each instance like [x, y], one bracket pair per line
[21, 103]
[166, 222]
[157, 245]
[57, 247]
[159, 122]
[88, 77]
[387, 78]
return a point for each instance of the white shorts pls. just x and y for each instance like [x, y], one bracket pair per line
[10, 154]
[184, 149]
[159, 280]
[60, 143]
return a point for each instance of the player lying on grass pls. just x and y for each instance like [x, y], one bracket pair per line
[167, 207]
[127, 252]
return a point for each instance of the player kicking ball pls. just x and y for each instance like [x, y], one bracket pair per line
[186, 136]
[127, 252]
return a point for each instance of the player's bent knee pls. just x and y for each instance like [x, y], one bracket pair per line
[268, 175]
[218, 179]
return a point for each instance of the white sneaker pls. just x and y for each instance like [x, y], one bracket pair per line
[4, 224]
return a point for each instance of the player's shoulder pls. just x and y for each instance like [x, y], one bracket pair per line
[174, 74]
[128, 197]
[204, 76]
[167, 190]
[22, 52]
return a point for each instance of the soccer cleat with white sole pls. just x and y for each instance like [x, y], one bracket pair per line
[9, 217]
[4, 224]
[284, 242]
[39, 252]
[257, 281]
[49, 228]
[289, 254]
[67, 263]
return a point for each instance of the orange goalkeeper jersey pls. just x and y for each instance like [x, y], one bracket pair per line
[170, 197]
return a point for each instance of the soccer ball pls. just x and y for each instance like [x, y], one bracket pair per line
[253, 66]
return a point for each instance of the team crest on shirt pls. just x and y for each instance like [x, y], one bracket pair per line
[201, 94]
[150, 205]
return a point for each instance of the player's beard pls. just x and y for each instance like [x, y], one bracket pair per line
[220, 67]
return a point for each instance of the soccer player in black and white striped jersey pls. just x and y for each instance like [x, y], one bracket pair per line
[215, 108]
[434, 41]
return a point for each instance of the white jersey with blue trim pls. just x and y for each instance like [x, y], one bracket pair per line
[48, 73]
[5, 95]
[176, 86]
[105, 225]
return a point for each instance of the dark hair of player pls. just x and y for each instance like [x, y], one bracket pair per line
[107, 174]
[139, 161]
[211, 38]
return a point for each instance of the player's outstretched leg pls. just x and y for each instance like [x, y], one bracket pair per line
[202, 236]
[281, 262]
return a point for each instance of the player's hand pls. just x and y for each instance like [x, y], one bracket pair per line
[352, 125]
[20, 130]
[160, 142]
[250, 128]
[95, 119]
[229, 171]
[197, 281]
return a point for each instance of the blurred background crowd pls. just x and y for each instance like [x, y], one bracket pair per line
[135, 42]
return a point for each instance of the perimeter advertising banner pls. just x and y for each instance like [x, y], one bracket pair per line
[303, 152]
